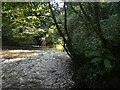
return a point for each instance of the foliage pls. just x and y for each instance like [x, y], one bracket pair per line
[89, 33]
[91, 40]
[22, 22]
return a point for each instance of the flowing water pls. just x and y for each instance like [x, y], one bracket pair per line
[35, 69]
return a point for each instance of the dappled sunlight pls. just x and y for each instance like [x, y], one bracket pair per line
[16, 53]
[56, 44]
[13, 60]
[59, 47]
[14, 56]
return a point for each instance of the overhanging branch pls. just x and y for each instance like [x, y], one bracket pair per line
[59, 30]
[57, 26]
[97, 31]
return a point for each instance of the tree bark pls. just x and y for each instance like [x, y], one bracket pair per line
[97, 31]
[59, 30]
[97, 20]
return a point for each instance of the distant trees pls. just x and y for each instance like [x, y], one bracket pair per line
[22, 21]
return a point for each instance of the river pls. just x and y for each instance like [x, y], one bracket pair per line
[35, 69]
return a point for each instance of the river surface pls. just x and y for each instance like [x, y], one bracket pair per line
[35, 69]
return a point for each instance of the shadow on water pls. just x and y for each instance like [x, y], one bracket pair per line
[26, 47]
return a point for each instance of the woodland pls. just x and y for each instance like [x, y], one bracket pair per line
[89, 32]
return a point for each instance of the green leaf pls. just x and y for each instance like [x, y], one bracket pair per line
[107, 63]
[94, 53]
[110, 57]
[95, 60]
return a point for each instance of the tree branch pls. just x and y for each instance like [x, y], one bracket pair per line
[59, 30]
[57, 26]
[98, 32]
[67, 51]
[74, 10]
[65, 22]
[97, 19]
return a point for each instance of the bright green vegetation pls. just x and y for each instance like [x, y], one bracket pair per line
[89, 33]
[25, 23]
